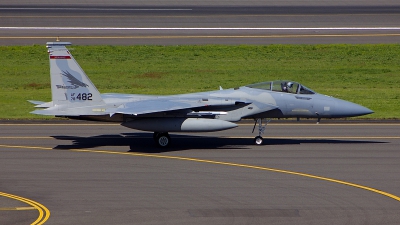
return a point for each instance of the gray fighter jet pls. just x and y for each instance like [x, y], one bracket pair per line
[74, 96]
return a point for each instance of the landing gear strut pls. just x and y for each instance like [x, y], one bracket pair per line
[162, 139]
[259, 140]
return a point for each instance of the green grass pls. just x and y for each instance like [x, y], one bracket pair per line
[366, 74]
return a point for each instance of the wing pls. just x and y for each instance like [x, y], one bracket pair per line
[168, 104]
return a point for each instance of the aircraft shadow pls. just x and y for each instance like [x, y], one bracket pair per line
[143, 142]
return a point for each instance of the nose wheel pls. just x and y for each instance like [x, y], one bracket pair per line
[162, 139]
[259, 140]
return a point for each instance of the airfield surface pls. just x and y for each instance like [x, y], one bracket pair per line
[78, 173]
[85, 173]
[194, 22]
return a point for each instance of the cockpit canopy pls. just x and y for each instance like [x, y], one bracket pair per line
[283, 86]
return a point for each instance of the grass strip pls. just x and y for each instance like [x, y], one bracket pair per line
[366, 74]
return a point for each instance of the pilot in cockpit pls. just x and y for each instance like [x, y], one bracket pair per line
[289, 86]
[286, 86]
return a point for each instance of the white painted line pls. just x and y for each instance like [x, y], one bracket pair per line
[200, 28]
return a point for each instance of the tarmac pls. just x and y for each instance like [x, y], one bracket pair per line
[100, 173]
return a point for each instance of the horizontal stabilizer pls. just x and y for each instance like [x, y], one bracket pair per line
[40, 104]
[65, 110]
[36, 102]
[44, 112]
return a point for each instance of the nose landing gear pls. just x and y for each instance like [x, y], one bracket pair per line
[258, 140]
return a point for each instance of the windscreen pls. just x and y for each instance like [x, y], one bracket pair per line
[283, 86]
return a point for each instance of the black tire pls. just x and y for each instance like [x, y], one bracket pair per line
[162, 140]
[258, 140]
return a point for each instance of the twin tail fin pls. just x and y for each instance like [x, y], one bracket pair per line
[73, 93]
[69, 83]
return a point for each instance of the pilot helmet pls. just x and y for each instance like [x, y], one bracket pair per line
[289, 84]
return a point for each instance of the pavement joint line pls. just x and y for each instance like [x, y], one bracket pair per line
[200, 28]
[44, 213]
[397, 198]
[202, 16]
[95, 9]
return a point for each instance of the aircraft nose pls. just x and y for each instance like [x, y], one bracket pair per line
[349, 109]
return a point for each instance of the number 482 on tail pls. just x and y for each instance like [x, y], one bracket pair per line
[84, 96]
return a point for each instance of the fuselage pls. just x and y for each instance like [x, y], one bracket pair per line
[262, 104]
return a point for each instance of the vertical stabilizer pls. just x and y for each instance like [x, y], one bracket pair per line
[69, 83]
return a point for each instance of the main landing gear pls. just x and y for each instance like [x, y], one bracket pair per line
[259, 140]
[162, 139]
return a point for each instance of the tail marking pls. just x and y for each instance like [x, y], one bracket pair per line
[72, 80]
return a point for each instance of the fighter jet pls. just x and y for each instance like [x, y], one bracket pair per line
[75, 96]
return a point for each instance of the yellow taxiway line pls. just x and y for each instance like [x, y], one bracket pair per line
[397, 198]
[44, 213]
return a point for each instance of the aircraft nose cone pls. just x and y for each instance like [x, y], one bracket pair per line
[349, 109]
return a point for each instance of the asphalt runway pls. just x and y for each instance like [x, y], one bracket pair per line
[78, 173]
[234, 22]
